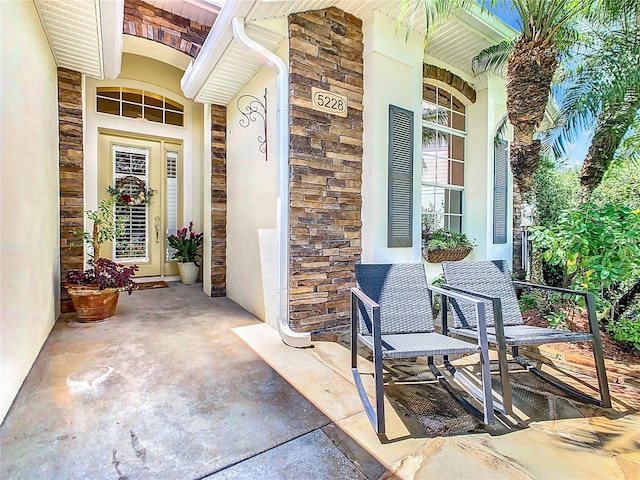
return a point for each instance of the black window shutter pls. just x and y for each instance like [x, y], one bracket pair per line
[500, 182]
[400, 211]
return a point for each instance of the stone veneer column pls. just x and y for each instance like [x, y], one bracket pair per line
[326, 51]
[71, 175]
[218, 200]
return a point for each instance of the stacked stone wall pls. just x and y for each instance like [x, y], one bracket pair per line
[146, 21]
[326, 52]
[451, 79]
[71, 176]
[218, 200]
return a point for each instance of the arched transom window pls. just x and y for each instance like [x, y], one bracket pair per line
[140, 104]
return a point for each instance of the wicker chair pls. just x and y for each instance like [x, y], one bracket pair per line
[491, 281]
[392, 306]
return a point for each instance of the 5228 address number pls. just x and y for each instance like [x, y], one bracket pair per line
[329, 102]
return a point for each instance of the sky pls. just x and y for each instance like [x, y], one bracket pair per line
[505, 12]
[577, 151]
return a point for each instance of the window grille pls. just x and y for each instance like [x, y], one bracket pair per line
[130, 175]
[132, 103]
[443, 157]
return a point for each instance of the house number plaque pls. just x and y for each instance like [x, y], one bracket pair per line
[329, 102]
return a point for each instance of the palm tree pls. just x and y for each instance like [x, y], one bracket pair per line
[531, 61]
[604, 88]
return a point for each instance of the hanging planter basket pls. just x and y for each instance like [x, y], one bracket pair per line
[446, 255]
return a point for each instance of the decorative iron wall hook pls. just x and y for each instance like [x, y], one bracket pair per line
[252, 108]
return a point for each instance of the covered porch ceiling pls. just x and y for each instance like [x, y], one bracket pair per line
[224, 65]
[87, 36]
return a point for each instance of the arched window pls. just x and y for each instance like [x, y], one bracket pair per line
[132, 103]
[443, 157]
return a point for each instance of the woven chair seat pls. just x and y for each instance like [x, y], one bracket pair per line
[392, 315]
[419, 345]
[491, 281]
[517, 335]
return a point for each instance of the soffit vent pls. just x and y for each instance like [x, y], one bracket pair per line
[73, 31]
[456, 44]
[199, 11]
[358, 8]
[236, 67]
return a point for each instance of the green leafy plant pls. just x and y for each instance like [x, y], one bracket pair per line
[557, 320]
[626, 330]
[627, 327]
[436, 302]
[106, 227]
[596, 246]
[103, 273]
[527, 301]
[186, 244]
[442, 239]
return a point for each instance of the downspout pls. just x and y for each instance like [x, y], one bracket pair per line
[291, 338]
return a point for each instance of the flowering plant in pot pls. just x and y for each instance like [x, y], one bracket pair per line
[95, 291]
[187, 246]
[441, 245]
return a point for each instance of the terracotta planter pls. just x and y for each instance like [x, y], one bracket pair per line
[447, 255]
[188, 272]
[92, 304]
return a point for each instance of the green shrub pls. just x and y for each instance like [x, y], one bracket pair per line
[626, 330]
[527, 301]
[621, 184]
[627, 327]
[557, 320]
[596, 246]
[555, 190]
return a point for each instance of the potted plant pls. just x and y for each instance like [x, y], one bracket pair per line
[187, 244]
[95, 291]
[441, 245]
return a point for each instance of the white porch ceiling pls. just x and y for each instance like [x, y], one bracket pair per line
[87, 35]
[73, 31]
[84, 35]
[230, 65]
[236, 67]
[203, 12]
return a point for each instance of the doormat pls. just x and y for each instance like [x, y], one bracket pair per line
[151, 285]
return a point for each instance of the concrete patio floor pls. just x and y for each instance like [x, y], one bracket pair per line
[181, 386]
[166, 390]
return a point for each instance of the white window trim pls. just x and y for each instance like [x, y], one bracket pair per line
[459, 133]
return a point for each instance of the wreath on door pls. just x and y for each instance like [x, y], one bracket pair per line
[130, 191]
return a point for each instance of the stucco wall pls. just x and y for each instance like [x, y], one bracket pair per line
[251, 194]
[29, 259]
[389, 60]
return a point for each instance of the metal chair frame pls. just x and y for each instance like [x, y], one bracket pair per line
[381, 346]
[503, 341]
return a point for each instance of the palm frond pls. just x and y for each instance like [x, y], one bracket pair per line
[493, 59]
[501, 130]
[434, 12]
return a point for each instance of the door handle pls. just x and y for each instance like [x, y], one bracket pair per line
[157, 219]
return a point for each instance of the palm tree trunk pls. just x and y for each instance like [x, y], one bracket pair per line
[608, 134]
[516, 266]
[530, 69]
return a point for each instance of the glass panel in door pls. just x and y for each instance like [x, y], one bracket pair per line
[134, 167]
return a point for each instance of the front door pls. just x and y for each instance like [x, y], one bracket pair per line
[142, 175]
